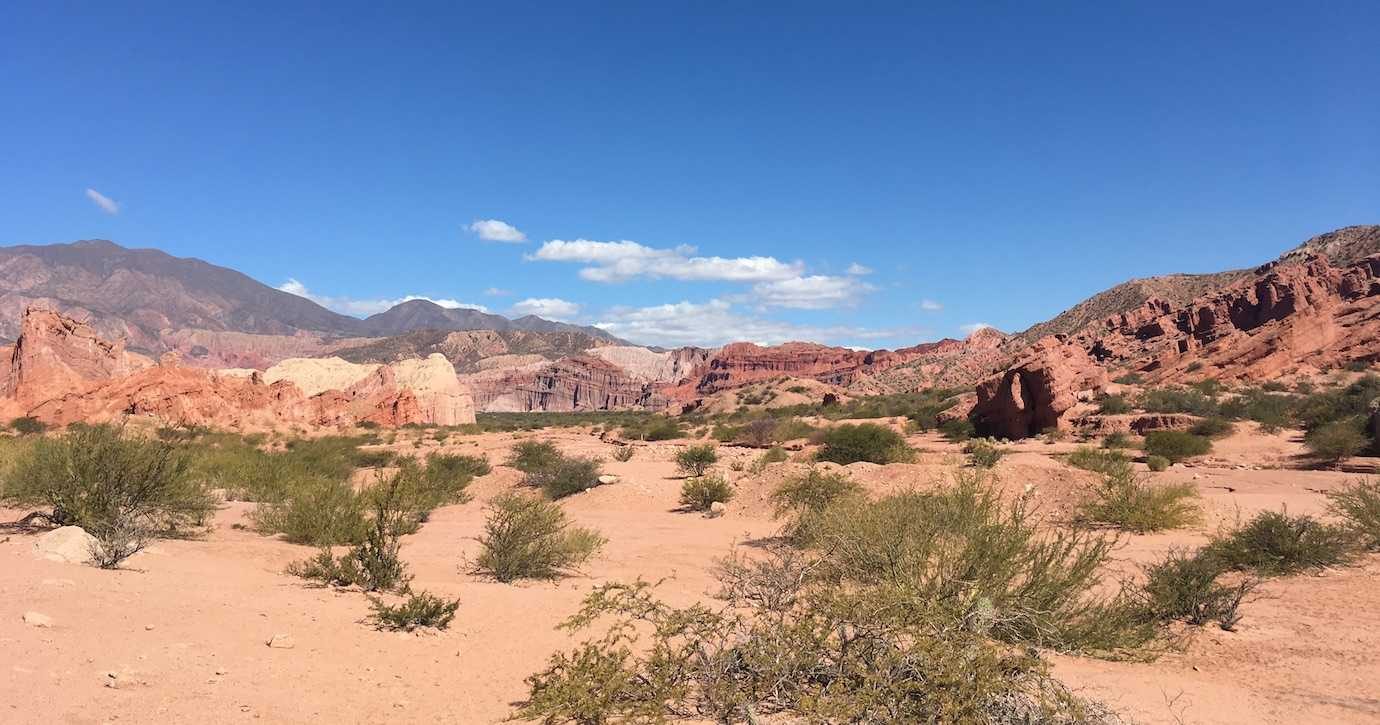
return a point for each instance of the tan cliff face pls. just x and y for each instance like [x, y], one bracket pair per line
[61, 372]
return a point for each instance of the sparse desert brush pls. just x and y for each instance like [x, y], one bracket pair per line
[784, 627]
[1053, 435]
[373, 564]
[623, 454]
[1157, 463]
[1113, 405]
[316, 510]
[983, 452]
[758, 432]
[1188, 587]
[1175, 445]
[456, 467]
[1358, 504]
[26, 425]
[957, 429]
[1129, 379]
[121, 489]
[695, 460]
[529, 456]
[1337, 441]
[702, 492]
[800, 499]
[528, 538]
[1116, 440]
[422, 609]
[1213, 427]
[1124, 501]
[869, 442]
[374, 459]
[1178, 400]
[565, 477]
[657, 428]
[1105, 462]
[775, 454]
[1275, 543]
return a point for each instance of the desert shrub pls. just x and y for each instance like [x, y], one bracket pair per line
[787, 647]
[374, 459]
[963, 552]
[528, 538]
[1157, 463]
[457, 468]
[656, 428]
[1352, 401]
[373, 564]
[530, 456]
[1114, 405]
[623, 454]
[1053, 435]
[846, 444]
[113, 542]
[1336, 441]
[316, 510]
[1178, 400]
[565, 477]
[1270, 409]
[1214, 427]
[695, 460]
[983, 452]
[108, 483]
[801, 499]
[1129, 379]
[957, 429]
[1105, 462]
[1188, 587]
[1116, 440]
[1175, 445]
[26, 425]
[775, 454]
[1358, 504]
[700, 493]
[422, 609]
[790, 429]
[1124, 501]
[1276, 543]
[760, 432]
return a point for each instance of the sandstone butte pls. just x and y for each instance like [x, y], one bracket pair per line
[61, 372]
[1298, 315]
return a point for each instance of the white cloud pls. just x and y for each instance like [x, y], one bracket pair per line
[858, 270]
[930, 306]
[549, 307]
[107, 204]
[816, 292]
[716, 323]
[624, 260]
[496, 292]
[494, 230]
[974, 327]
[362, 307]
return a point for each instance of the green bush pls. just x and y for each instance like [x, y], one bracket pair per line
[961, 550]
[656, 428]
[983, 452]
[565, 477]
[373, 564]
[695, 460]
[1178, 400]
[119, 487]
[1213, 427]
[419, 610]
[846, 444]
[1129, 379]
[1105, 462]
[957, 429]
[700, 493]
[1271, 410]
[1116, 440]
[1276, 543]
[1114, 405]
[528, 538]
[1175, 445]
[25, 425]
[1188, 587]
[1358, 504]
[791, 429]
[801, 499]
[316, 510]
[1124, 501]
[1157, 463]
[530, 456]
[1337, 441]
[374, 459]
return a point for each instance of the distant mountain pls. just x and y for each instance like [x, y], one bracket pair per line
[146, 296]
[468, 349]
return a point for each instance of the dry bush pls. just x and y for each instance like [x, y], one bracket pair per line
[702, 492]
[623, 454]
[1188, 587]
[528, 538]
[695, 460]
[983, 452]
[1105, 462]
[1274, 543]
[1126, 502]
[422, 609]
[869, 442]
[1176, 445]
[1359, 505]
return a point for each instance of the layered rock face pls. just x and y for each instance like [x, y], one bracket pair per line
[62, 372]
[1286, 317]
[581, 382]
[1035, 393]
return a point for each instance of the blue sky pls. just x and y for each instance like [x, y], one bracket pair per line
[867, 174]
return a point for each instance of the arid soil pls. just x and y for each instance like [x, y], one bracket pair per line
[180, 635]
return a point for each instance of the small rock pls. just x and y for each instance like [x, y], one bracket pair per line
[34, 619]
[69, 544]
[282, 641]
[716, 509]
[608, 478]
[148, 628]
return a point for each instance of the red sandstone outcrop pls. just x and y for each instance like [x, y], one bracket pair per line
[579, 382]
[1287, 315]
[1035, 393]
[1138, 423]
[62, 373]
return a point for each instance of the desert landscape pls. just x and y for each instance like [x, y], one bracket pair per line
[1165, 513]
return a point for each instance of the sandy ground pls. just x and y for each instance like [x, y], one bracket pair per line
[184, 629]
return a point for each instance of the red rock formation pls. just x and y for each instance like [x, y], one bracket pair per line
[580, 382]
[56, 355]
[1035, 393]
[1286, 315]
